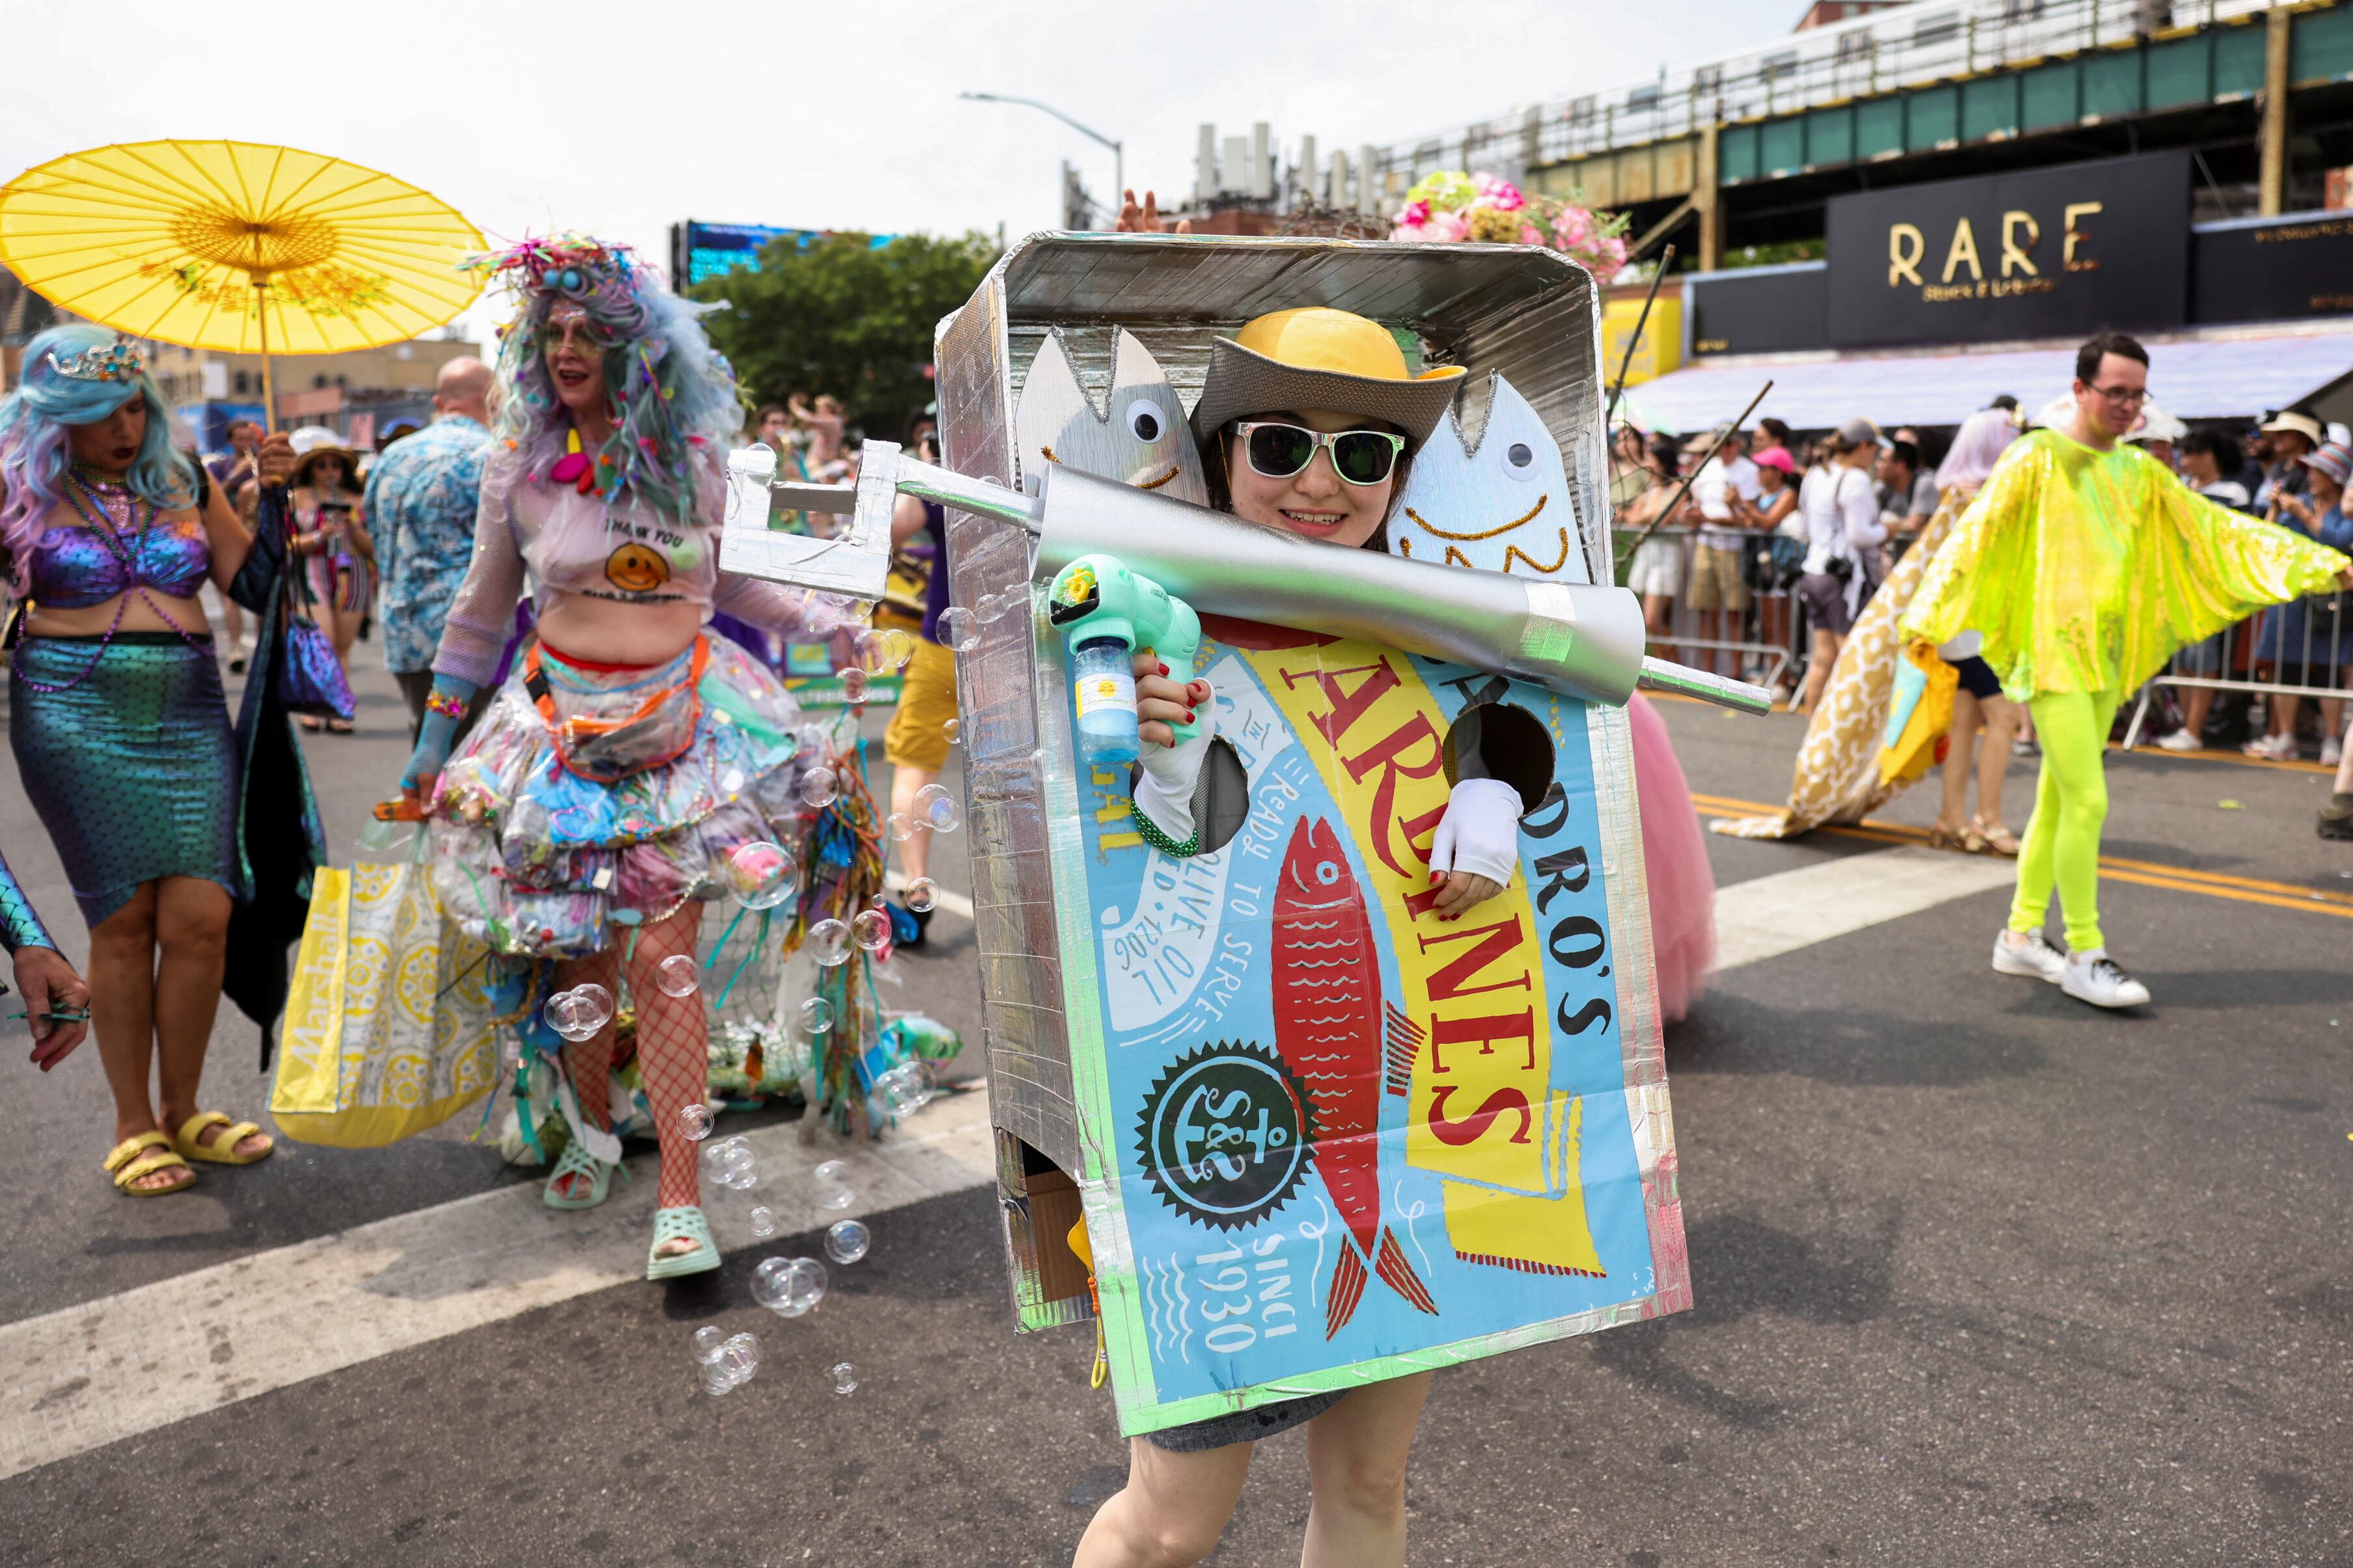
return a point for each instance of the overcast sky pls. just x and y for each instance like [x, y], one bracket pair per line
[618, 120]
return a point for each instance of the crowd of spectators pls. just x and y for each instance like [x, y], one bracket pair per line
[1781, 536]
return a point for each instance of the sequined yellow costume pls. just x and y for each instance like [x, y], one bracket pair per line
[2084, 570]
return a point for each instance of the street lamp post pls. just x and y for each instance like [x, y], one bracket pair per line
[1118, 153]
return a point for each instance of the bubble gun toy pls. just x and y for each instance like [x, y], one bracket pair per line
[1105, 613]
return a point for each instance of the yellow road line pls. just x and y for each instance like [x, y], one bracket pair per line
[2146, 873]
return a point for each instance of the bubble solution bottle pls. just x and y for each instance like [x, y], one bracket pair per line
[1102, 670]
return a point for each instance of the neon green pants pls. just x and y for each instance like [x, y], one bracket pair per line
[2061, 846]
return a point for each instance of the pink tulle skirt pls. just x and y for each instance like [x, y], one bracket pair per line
[1675, 860]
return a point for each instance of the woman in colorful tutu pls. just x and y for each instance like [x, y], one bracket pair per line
[608, 788]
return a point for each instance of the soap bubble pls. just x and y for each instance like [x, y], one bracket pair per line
[736, 1168]
[853, 688]
[830, 1192]
[901, 827]
[904, 1089]
[733, 1366]
[816, 1016]
[579, 1012]
[762, 874]
[989, 607]
[707, 1341]
[847, 1240]
[871, 930]
[959, 631]
[763, 1221]
[845, 1378]
[937, 809]
[788, 1287]
[715, 1155]
[835, 1197]
[679, 976]
[828, 942]
[898, 649]
[922, 895]
[830, 1170]
[819, 787]
[694, 1120]
[952, 731]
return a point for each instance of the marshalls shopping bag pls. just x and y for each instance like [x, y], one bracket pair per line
[389, 1028]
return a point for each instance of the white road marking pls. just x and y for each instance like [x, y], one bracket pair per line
[75, 1380]
[78, 1379]
[1789, 909]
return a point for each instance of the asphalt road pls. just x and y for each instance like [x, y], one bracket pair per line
[1983, 1276]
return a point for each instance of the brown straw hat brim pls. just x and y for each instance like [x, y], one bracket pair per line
[1242, 382]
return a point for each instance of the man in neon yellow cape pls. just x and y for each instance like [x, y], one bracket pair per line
[2083, 564]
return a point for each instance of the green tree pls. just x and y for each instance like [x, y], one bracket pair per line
[847, 317]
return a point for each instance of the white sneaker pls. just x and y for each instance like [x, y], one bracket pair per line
[2030, 955]
[2274, 748]
[2332, 752]
[2093, 977]
[2179, 741]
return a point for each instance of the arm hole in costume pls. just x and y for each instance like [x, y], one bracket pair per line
[1502, 741]
[1220, 796]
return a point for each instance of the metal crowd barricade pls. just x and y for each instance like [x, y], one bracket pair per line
[1772, 624]
[2300, 649]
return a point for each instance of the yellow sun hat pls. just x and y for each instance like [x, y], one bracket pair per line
[1317, 357]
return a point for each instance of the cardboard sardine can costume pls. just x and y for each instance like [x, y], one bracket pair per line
[1318, 1137]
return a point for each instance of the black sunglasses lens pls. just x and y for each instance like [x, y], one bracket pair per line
[1364, 457]
[1278, 451]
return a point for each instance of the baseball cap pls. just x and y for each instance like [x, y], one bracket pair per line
[1776, 457]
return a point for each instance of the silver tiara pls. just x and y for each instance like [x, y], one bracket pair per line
[118, 361]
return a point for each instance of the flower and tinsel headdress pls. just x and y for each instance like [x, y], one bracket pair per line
[672, 394]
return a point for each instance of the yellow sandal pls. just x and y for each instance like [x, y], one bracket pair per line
[221, 1151]
[126, 1164]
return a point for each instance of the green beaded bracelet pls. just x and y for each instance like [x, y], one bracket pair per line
[1151, 833]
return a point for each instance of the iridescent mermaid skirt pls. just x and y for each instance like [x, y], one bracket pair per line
[538, 861]
[134, 769]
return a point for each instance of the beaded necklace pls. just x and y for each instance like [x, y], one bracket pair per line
[116, 511]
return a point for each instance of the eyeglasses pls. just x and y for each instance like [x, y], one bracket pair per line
[2127, 396]
[1278, 451]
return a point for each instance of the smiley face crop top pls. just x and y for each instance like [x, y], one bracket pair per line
[580, 544]
[73, 566]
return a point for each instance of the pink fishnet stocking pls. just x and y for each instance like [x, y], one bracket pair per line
[673, 1053]
[589, 1063]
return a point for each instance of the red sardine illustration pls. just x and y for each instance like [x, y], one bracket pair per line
[1331, 1031]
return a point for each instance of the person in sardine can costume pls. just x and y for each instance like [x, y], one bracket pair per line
[2082, 563]
[1357, 984]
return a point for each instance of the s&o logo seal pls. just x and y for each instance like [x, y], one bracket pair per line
[1225, 1135]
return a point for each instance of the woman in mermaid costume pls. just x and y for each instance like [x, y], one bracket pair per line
[122, 736]
[630, 756]
[2084, 562]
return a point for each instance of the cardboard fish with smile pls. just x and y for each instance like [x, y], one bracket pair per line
[1496, 501]
[1139, 438]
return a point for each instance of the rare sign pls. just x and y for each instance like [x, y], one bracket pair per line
[1342, 1138]
[2052, 252]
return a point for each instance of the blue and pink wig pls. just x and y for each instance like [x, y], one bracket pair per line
[33, 421]
[674, 402]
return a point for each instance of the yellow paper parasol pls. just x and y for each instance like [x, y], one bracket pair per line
[238, 247]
